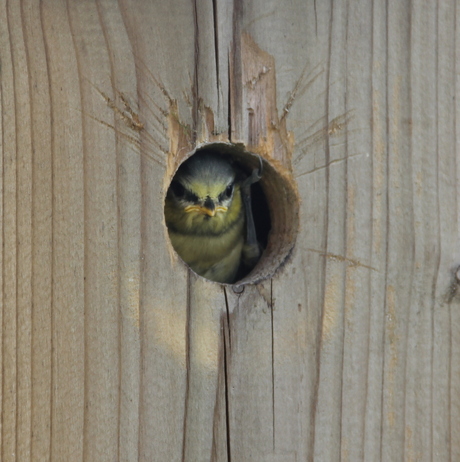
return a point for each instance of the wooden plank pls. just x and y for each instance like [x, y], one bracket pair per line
[450, 253]
[250, 373]
[101, 237]
[41, 318]
[446, 170]
[418, 375]
[329, 398]
[23, 234]
[163, 291]
[257, 362]
[68, 300]
[112, 349]
[203, 341]
[187, 376]
[379, 215]
[129, 225]
[358, 231]
[297, 312]
[399, 265]
[9, 245]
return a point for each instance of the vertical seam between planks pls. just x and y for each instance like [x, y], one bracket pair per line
[413, 263]
[141, 412]
[3, 273]
[451, 343]
[226, 379]
[371, 238]
[2, 413]
[345, 232]
[438, 243]
[319, 340]
[229, 95]
[316, 18]
[387, 204]
[371, 244]
[187, 362]
[195, 88]
[273, 364]
[235, 71]
[216, 49]
[3, 270]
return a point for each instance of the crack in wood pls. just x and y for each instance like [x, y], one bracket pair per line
[131, 120]
[351, 262]
[298, 91]
[273, 364]
[187, 362]
[195, 86]
[333, 128]
[227, 352]
[216, 49]
[126, 114]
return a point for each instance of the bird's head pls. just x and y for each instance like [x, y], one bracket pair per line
[202, 194]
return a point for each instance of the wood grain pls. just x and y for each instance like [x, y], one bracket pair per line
[112, 350]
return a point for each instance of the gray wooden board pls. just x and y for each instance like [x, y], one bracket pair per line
[112, 349]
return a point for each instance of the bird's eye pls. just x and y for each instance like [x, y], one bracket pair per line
[177, 189]
[228, 192]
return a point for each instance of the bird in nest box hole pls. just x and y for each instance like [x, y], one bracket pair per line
[209, 217]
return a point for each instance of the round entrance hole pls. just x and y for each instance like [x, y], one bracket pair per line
[202, 192]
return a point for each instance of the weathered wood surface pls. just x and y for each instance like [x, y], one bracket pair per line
[111, 350]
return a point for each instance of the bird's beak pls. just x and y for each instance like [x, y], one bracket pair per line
[210, 211]
[209, 208]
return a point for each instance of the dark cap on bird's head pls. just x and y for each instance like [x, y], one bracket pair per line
[207, 167]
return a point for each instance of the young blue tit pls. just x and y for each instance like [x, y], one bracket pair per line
[206, 217]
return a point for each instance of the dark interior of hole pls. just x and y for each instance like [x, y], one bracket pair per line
[261, 214]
